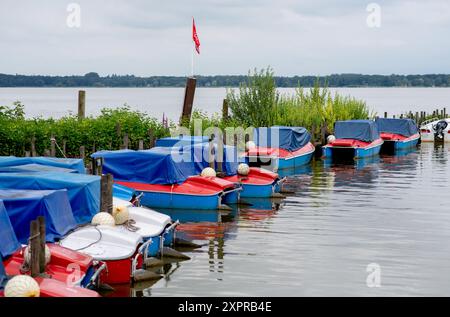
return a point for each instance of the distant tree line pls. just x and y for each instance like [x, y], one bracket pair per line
[336, 80]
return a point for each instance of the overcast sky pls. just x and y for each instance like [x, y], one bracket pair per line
[145, 37]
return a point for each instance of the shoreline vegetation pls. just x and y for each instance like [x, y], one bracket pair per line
[93, 79]
[256, 103]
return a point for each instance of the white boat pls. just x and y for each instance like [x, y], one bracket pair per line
[119, 249]
[150, 225]
[435, 130]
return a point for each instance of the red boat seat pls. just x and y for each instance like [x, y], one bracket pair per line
[256, 176]
[194, 185]
[392, 136]
[349, 143]
[53, 288]
[281, 153]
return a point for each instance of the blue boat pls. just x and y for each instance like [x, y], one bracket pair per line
[31, 163]
[164, 177]
[280, 147]
[398, 134]
[355, 139]
[257, 183]
[83, 190]
[17, 209]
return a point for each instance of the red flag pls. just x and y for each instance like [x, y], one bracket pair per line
[195, 37]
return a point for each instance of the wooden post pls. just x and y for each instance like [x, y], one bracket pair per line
[27, 154]
[151, 138]
[385, 114]
[323, 133]
[81, 104]
[417, 117]
[106, 201]
[225, 109]
[125, 141]
[34, 248]
[42, 240]
[189, 93]
[445, 112]
[52, 146]
[47, 153]
[82, 152]
[33, 146]
[64, 147]
[219, 155]
[141, 145]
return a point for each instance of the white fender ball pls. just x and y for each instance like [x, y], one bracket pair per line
[331, 138]
[27, 255]
[121, 214]
[250, 145]
[22, 286]
[103, 218]
[243, 169]
[208, 172]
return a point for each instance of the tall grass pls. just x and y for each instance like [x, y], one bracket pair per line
[258, 103]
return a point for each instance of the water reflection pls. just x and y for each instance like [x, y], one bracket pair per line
[335, 220]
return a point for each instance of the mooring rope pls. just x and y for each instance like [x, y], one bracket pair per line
[57, 145]
[95, 242]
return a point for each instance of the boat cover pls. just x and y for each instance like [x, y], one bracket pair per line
[123, 192]
[200, 157]
[35, 168]
[363, 130]
[24, 206]
[9, 243]
[405, 127]
[181, 141]
[158, 165]
[83, 190]
[286, 138]
[69, 163]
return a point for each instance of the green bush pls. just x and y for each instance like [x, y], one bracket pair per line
[104, 132]
[258, 104]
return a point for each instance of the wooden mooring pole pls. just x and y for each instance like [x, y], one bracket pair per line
[189, 93]
[35, 245]
[81, 104]
[106, 197]
[42, 240]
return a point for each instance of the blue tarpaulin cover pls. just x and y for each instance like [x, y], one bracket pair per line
[73, 164]
[200, 156]
[405, 127]
[123, 192]
[9, 243]
[181, 141]
[362, 130]
[154, 166]
[26, 168]
[198, 152]
[286, 138]
[24, 206]
[83, 190]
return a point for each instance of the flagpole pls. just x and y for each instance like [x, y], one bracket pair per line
[192, 59]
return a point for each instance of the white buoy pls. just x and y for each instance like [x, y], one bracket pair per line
[250, 145]
[27, 255]
[208, 172]
[243, 169]
[121, 214]
[331, 138]
[22, 286]
[103, 218]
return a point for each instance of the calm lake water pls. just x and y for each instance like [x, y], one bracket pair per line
[391, 212]
[338, 223]
[57, 102]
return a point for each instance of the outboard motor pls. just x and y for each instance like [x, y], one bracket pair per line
[439, 129]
